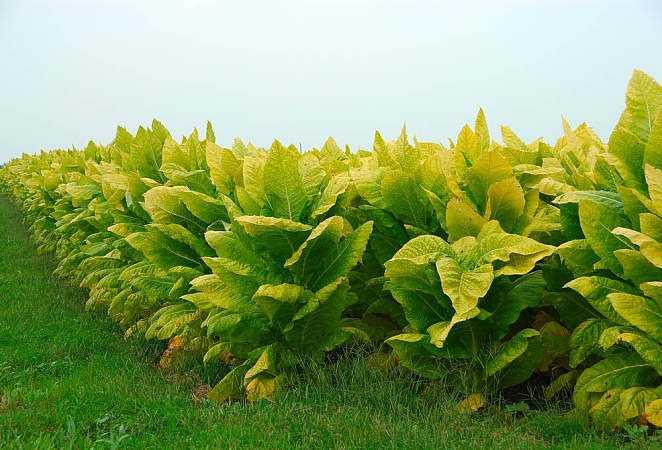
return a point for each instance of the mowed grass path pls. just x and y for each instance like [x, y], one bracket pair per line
[69, 379]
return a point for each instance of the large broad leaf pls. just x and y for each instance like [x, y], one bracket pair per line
[653, 289]
[196, 180]
[622, 371]
[649, 247]
[204, 207]
[505, 202]
[178, 204]
[317, 325]
[636, 267]
[389, 234]
[340, 259]
[571, 307]
[617, 406]
[142, 153]
[438, 205]
[404, 197]
[337, 186]
[163, 251]
[482, 131]
[414, 282]
[578, 256]
[507, 300]
[653, 413]
[279, 237]
[464, 286]
[224, 290]
[175, 154]
[420, 250]
[330, 252]
[253, 176]
[597, 221]
[516, 359]
[607, 410]
[634, 204]
[643, 102]
[164, 206]
[243, 259]
[456, 330]
[585, 340]
[606, 198]
[264, 365]
[327, 233]
[263, 387]
[490, 168]
[538, 218]
[471, 145]
[312, 174]
[238, 272]
[651, 225]
[82, 194]
[462, 220]
[510, 254]
[280, 302]
[641, 312]
[653, 149]
[434, 172]
[367, 179]
[466, 271]
[179, 233]
[596, 289]
[283, 184]
[397, 154]
[634, 401]
[461, 337]
[654, 182]
[649, 350]
[415, 352]
[231, 387]
[225, 168]
[515, 150]
[422, 308]
[169, 319]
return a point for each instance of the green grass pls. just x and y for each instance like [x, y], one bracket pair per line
[68, 379]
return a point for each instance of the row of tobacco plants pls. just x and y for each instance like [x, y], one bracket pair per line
[508, 259]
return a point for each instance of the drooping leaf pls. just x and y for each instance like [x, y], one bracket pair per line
[330, 252]
[414, 352]
[641, 312]
[595, 290]
[230, 387]
[584, 340]
[315, 326]
[618, 371]
[277, 236]
[516, 359]
[336, 187]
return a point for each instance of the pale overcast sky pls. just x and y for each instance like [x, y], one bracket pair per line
[71, 70]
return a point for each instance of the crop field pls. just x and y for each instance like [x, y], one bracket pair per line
[167, 293]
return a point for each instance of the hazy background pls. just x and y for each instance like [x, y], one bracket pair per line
[302, 70]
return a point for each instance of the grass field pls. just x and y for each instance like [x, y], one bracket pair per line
[68, 379]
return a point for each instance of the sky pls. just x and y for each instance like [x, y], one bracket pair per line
[299, 71]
